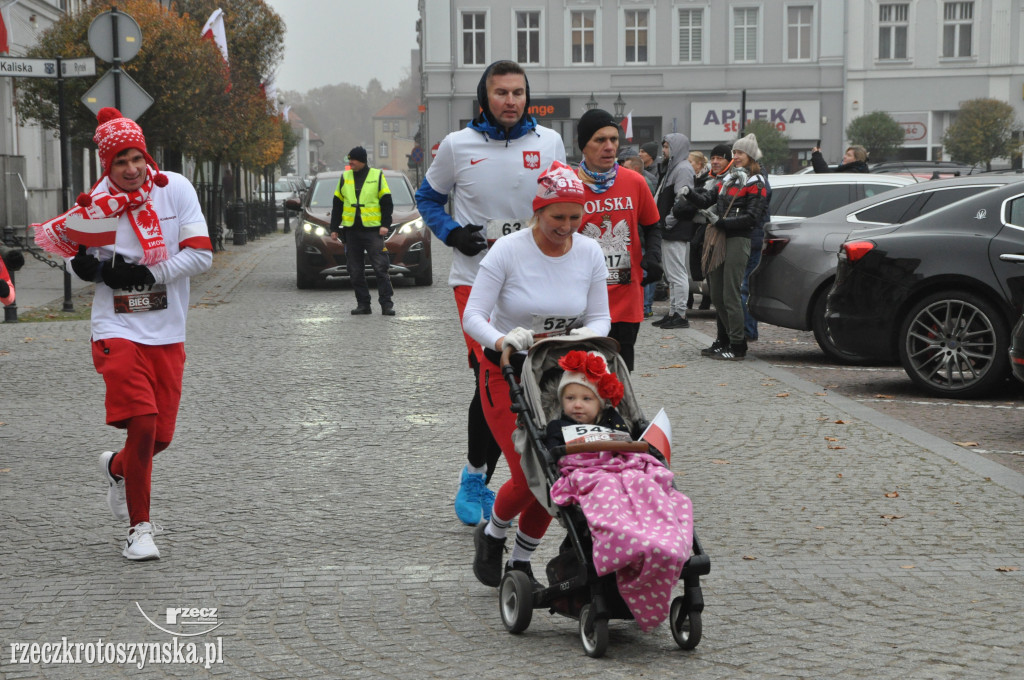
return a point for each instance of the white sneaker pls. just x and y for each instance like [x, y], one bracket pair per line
[116, 498]
[139, 545]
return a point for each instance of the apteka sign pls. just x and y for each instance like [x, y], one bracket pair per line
[721, 121]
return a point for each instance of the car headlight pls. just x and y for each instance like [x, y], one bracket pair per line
[314, 229]
[411, 226]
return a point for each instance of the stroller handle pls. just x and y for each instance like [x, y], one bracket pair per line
[506, 355]
[622, 447]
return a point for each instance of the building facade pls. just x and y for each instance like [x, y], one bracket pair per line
[808, 66]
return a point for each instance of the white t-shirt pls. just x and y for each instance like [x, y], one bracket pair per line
[488, 180]
[520, 286]
[189, 249]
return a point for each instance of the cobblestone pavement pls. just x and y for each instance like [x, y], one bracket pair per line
[307, 496]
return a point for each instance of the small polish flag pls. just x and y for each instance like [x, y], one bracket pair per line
[627, 125]
[98, 232]
[214, 30]
[659, 434]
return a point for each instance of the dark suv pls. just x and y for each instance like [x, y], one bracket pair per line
[320, 258]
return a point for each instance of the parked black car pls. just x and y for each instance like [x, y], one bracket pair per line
[1017, 349]
[940, 293]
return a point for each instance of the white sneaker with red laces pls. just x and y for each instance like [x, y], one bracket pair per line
[116, 498]
[139, 545]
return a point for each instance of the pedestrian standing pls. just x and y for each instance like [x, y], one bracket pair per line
[855, 159]
[154, 238]
[738, 198]
[363, 207]
[618, 211]
[490, 170]
[676, 233]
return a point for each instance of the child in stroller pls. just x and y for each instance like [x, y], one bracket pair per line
[569, 486]
[641, 527]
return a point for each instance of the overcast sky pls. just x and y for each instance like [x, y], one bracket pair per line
[345, 41]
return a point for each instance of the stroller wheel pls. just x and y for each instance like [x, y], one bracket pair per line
[515, 601]
[686, 627]
[593, 632]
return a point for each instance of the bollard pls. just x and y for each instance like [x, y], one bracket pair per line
[239, 222]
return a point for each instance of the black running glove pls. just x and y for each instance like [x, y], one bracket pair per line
[469, 240]
[653, 269]
[85, 266]
[119, 274]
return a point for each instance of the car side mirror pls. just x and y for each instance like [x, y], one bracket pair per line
[293, 204]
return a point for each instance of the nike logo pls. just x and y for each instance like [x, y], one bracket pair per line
[477, 160]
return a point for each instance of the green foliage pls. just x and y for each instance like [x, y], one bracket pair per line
[879, 133]
[774, 144]
[984, 129]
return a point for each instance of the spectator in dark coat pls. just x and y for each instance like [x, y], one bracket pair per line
[854, 160]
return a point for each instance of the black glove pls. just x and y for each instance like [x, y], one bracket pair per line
[85, 266]
[653, 270]
[683, 210]
[468, 239]
[5, 288]
[119, 274]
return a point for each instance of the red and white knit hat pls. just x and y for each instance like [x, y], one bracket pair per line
[590, 369]
[558, 184]
[114, 134]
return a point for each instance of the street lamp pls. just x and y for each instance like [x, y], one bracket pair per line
[620, 106]
[591, 103]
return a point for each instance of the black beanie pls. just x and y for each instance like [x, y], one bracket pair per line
[722, 150]
[652, 150]
[357, 154]
[591, 122]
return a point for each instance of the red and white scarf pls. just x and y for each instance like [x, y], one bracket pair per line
[53, 236]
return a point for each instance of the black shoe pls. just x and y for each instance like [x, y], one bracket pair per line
[677, 321]
[362, 309]
[662, 320]
[723, 353]
[716, 346]
[739, 352]
[388, 309]
[705, 303]
[487, 561]
[525, 568]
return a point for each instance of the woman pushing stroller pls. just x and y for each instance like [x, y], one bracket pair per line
[544, 280]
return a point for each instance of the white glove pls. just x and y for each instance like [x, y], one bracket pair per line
[583, 332]
[684, 191]
[519, 339]
[709, 215]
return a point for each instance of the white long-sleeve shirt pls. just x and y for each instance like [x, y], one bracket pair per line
[520, 286]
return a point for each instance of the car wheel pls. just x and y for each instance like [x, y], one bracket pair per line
[303, 279]
[425, 276]
[955, 344]
[824, 338]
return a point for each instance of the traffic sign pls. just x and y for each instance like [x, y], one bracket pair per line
[433, 150]
[71, 68]
[28, 68]
[115, 34]
[134, 100]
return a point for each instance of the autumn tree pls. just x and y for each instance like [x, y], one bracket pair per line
[774, 144]
[984, 129]
[878, 132]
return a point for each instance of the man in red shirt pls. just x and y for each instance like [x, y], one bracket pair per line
[619, 213]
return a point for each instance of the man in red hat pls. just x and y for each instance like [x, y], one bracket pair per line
[139, 235]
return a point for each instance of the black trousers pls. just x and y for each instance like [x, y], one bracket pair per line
[625, 333]
[363, 242]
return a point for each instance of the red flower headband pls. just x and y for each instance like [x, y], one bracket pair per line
[594, 368]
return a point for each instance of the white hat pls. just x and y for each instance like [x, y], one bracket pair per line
[590, 369]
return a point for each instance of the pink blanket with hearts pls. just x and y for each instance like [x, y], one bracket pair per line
[642, 528]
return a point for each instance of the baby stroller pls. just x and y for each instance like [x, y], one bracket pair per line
[575, 588]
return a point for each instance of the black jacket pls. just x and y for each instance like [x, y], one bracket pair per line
[818, 161]
[747, 203]
[610, 419]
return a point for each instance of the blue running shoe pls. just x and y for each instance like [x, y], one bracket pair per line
[467, 500]
[486, 502]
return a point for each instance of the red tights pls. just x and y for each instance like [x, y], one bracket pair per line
[134, 463]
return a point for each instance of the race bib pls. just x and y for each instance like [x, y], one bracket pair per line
[617, 262]
[582, 434]
[495, 229]
[141, 299]
[551, 326]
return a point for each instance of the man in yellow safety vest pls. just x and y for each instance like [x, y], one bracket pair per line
[363, 208]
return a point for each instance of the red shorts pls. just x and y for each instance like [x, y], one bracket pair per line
[461, 298]
[141, 380]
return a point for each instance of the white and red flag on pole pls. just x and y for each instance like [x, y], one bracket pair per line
[92, 232]
[214, 30]
[627, 125]
[659, 434]
[4, 46]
